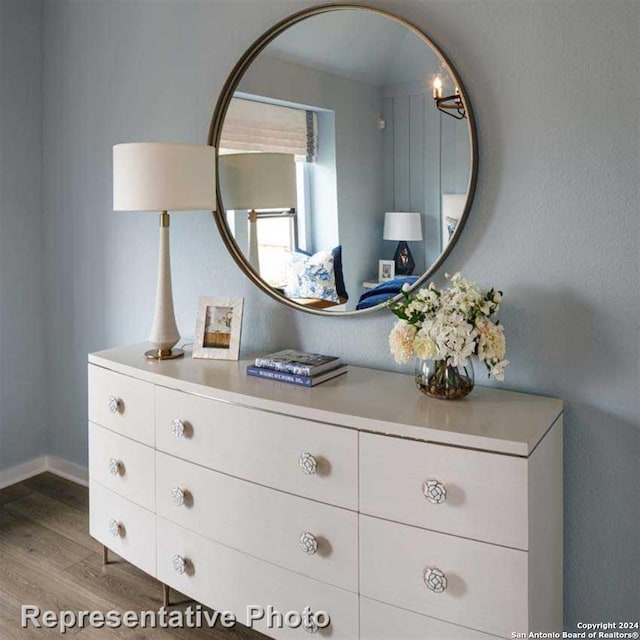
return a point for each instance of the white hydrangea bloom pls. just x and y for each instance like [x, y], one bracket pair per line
[491, 345]
[424, 346]
[497, 369]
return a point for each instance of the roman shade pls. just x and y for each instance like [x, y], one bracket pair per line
[259, 126]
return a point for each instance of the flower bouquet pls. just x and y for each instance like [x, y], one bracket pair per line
[442, 329]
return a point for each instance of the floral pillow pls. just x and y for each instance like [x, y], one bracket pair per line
[452, 225]
[311, 276]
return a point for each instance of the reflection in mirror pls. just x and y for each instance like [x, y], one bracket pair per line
[346, 142]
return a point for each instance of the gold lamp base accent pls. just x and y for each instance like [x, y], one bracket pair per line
[163, 354]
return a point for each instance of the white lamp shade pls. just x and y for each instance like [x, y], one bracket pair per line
[150, 176]
[257, 181]
[402, 225]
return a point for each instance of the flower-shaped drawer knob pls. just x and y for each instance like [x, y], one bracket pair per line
[435, 580]
[178, 427]
[308, 543]
[114, 528]
[308, 463]
[435, 492]
[114, 467]
[114, 404]
[179, 564]
[177, 496]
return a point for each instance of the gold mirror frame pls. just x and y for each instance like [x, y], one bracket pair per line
[215, 132]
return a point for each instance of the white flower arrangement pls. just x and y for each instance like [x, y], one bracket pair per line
[450, 325]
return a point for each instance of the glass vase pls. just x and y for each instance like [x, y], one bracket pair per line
[437, 379]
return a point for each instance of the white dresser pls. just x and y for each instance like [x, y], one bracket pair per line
[400, 516]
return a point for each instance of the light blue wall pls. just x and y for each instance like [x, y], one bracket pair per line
[23, 317]
[555, 222]
[323, 220]
[455, 155]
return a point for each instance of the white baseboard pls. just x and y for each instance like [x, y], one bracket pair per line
[69, 470]
[21, 472]
[59, 466]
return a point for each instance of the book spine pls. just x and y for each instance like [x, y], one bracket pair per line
[280, 376]
[284, 367]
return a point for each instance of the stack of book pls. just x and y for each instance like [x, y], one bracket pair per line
[297, 367]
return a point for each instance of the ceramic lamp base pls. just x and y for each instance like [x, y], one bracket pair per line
[403, 259]
[159, 354]
[164, 331]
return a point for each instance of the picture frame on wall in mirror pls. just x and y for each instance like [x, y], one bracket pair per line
[218, 328]
[386, 270]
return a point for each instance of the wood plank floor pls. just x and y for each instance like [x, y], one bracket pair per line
[48, 559]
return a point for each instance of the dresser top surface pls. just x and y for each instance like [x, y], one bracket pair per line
[364, 399]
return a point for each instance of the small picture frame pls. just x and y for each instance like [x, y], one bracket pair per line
[386, 270]
[218, 328]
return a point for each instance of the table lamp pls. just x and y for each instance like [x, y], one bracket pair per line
[163, 177]
[405, 227]
[250, 181]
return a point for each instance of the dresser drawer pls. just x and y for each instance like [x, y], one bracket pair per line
[309, 537]
[121, 403]
[123, 527]
[380, 621]
[485, 586]
[122, 465]
[229, 580]
[263, 447]
[482, 495]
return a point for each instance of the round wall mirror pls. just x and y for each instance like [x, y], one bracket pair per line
[346, 158]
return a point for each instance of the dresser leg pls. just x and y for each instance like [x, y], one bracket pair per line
[105, 556]
[165, 594]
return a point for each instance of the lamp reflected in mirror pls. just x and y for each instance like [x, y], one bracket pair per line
[403, 226]
[264, 185]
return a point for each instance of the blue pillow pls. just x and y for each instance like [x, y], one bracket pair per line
[337, 267]
[383, 292]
